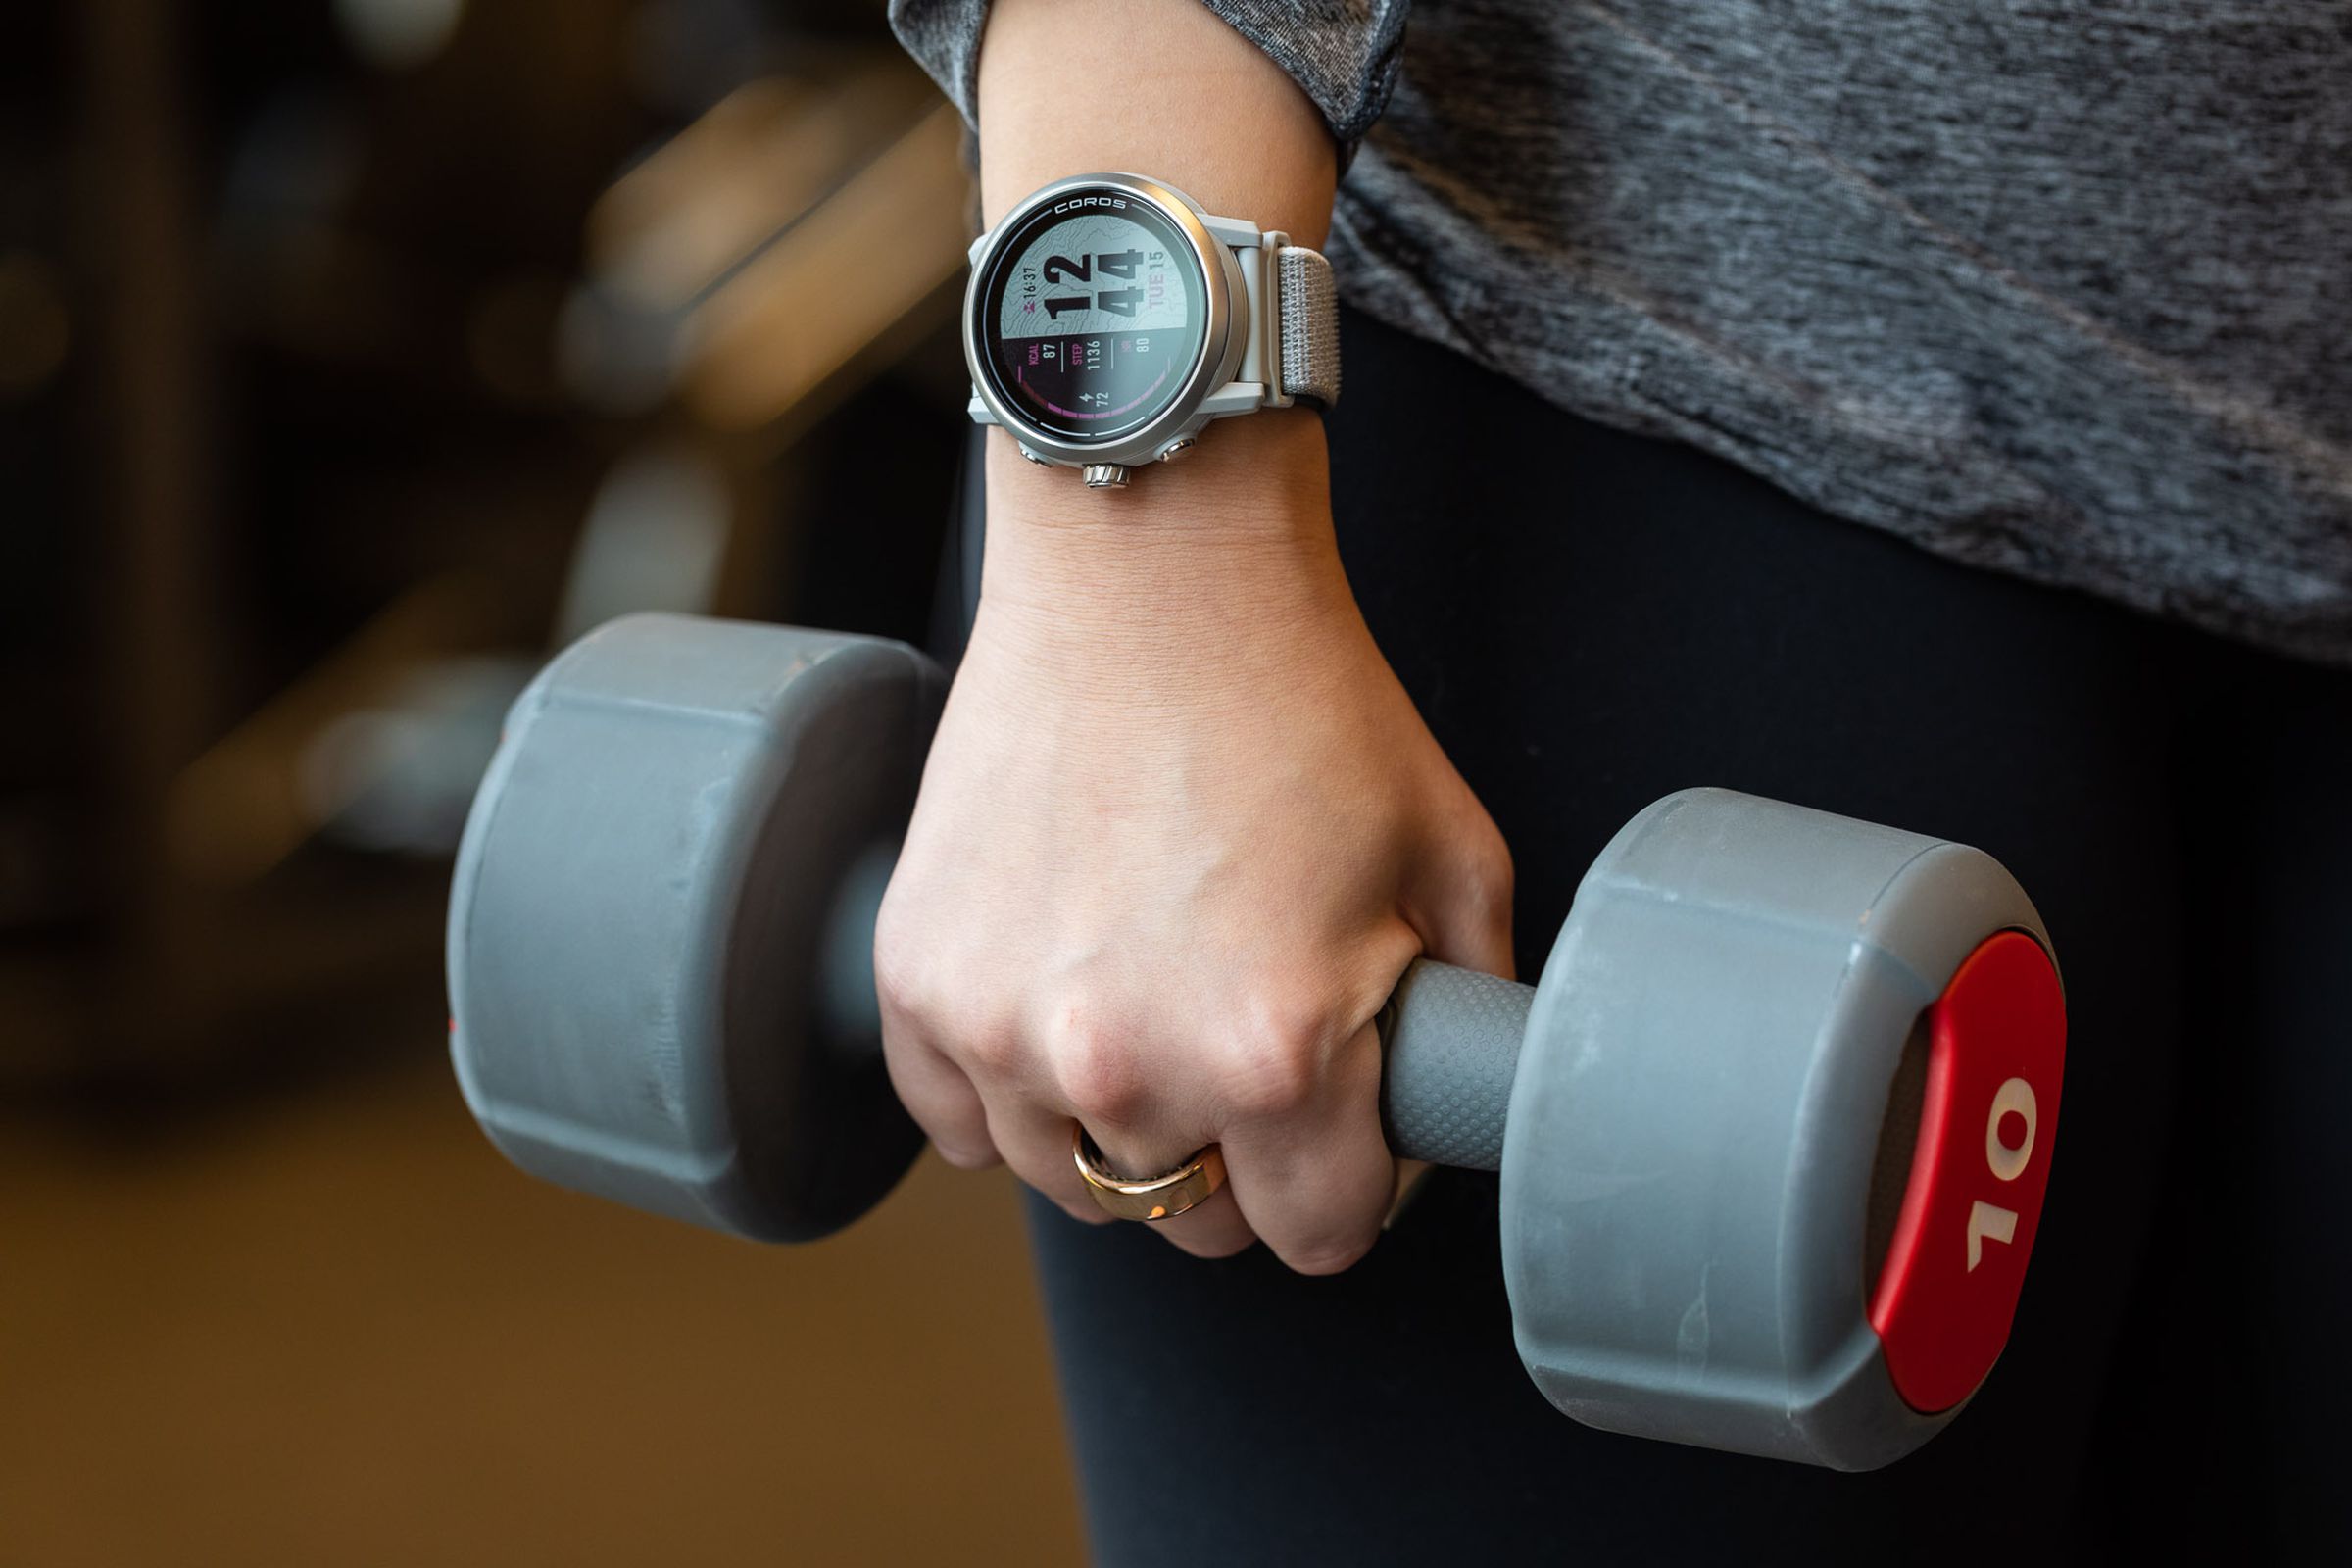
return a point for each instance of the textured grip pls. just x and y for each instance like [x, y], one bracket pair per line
[1452, 1038]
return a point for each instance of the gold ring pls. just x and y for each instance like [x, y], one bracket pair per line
[1161, 1197]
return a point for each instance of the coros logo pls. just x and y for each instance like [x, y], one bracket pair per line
[1090, 201]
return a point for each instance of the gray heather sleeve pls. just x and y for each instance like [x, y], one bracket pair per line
[1342, 53]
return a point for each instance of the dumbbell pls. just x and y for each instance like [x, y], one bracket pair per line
[1773, 1130]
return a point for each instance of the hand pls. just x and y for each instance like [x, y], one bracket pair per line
[1180, 832]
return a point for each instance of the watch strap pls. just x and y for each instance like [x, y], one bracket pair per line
[1309, 312]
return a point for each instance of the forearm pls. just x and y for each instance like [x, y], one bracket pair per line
[1158, 87]
[1163, 88]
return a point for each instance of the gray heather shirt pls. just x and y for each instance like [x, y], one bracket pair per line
[2056, 288]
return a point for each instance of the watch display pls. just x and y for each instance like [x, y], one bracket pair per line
[1092, 316]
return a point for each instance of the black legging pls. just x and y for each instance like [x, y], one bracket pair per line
[1590, 619]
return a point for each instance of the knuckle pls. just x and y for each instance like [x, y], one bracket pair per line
[1273, 1065]
[1096, 1065]
[1269, 1081]
[988, 1050]
[900, 983]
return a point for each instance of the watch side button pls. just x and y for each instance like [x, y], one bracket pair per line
[1177, 447]
[1043, 462]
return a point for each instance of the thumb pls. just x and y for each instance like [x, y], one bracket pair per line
[1459, 898]
[1461, 907]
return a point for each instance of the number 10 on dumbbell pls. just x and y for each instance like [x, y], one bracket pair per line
[1773, 1128]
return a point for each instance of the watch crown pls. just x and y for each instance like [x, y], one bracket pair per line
[1104, 476]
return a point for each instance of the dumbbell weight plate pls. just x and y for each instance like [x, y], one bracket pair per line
[1702, 1107]
[653, 997]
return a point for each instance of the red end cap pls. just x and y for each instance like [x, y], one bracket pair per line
[1949, 1291]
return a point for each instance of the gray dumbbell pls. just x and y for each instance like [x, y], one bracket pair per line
[1773, 1131]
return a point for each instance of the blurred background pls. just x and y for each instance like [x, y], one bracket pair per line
[354, 355]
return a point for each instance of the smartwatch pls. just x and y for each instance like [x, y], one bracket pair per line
[1108, 319]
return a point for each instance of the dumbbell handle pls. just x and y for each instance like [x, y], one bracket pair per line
[1451, 1036]
[1452, 1043]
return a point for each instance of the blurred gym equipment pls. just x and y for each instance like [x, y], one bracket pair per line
[301, 489]
[449, 331]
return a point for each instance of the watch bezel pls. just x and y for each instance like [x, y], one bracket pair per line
[1213, 365]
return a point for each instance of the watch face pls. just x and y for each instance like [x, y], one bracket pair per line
[1091, 315]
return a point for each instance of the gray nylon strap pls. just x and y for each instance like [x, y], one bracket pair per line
[1310, 326]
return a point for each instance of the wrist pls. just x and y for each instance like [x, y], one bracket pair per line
[1267, 472]
[1260, 485]
[1237, 535]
